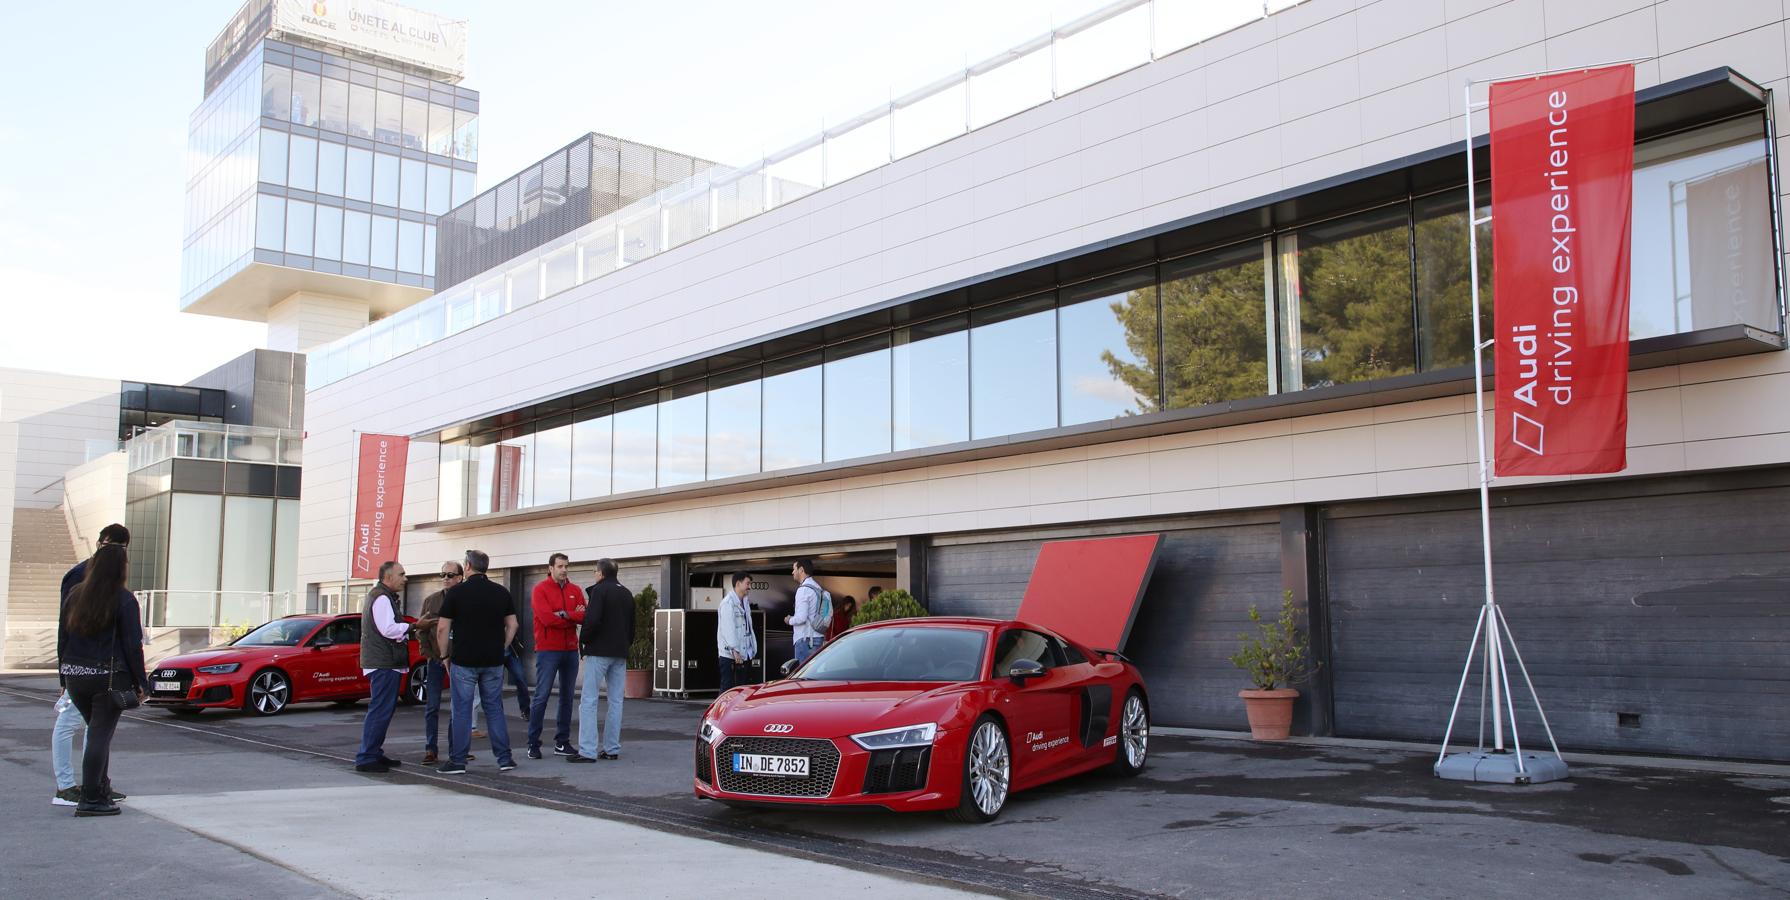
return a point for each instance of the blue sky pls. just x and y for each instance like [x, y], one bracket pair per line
[95, 131]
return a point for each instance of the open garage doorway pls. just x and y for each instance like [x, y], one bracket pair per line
[844, 571]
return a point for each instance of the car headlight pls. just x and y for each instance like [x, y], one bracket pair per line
[711, 734]
[220, 668]
[890, 738]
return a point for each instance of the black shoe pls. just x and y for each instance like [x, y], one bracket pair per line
[451, 769]
[389, 762]
[575, 758]
[102, 808]
[112, 794]
[377, 766]
[506, 765]
[609, 756]
[534, 753]
[564, 750]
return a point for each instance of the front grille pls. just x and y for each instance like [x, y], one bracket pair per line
[704, 772]
[184, 676]
[823, 766]
[894, 771]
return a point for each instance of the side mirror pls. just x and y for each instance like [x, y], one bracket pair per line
[322, 643]
[789, 666]
[1025, 668]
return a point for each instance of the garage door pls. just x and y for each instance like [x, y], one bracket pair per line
[1655, 624]
[1186, 627]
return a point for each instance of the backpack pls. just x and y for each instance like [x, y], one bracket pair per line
[826, 604]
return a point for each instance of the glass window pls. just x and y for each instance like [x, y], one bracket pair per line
[598, 252]
[466, 135]
[385, 179]
[524, 284]
[1106, 344]
[335, 105]
[1345, 301]
[1019, 645]
[194, 540]
[734, 404]
[441, 130]
[301, 168]
[553, 461]
[331, 162]
[299, 217]
[1013, 368]
[388, 119]
[384, 252]
[464, 186]
[439, 192]
[412, 185]
[456, 470]
[270, 222]
[683, 419]
[792, 413]
[490, 300]
[429, 249]
[356, 230]
[591, 442]
[410, 247]
[359, 182]
[484, 474]
[329, 232]
[636, 447]
[559, 271]
[273, 156]
[307, 97]
[416, 123]
[276, 92]
[1215, 313]
[247, 557]
[360, 110]
[512, 484]
[856, 399]
[1444, 290]
[932, 383]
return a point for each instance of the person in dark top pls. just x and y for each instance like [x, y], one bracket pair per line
[603, 642]
[842, 613]
[68, 719]
[478, 620]
[99, 648]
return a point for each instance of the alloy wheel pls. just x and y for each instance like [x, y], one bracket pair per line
[1135, 731]
[989, 764]
[269, 692]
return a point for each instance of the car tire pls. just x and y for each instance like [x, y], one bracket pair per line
[1133, 750]
[269, 692]
[416, 685]
[987, 772]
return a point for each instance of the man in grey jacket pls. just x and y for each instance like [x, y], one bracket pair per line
[734, 637]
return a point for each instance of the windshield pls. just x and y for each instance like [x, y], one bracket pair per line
[278, 633]
[900, 654]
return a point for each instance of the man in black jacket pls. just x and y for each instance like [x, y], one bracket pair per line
[608, 630]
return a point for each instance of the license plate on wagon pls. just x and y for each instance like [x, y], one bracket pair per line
[166, 686]
[779, 766]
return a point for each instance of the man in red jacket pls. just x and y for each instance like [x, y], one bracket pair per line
[558, 607]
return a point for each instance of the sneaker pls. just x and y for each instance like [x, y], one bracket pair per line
[67, 797]
[478, 733]
[522, 711]
[609, 756]
[564, 750]
[96, 809]
[451, 769]
[114, 796]
[429, 758]
[506, 765]
[579, 758]
[534, 753]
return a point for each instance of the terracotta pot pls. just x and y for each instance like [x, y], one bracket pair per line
[639, 684]
[1270, 713]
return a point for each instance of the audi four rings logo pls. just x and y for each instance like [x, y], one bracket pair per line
[779, 729]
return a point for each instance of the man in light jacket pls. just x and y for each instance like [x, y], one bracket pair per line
[806, 620]
[734, 637]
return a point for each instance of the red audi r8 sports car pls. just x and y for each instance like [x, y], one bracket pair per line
[296, 659]
[926, 714]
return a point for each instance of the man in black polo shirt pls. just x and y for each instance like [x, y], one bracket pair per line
[478, 620]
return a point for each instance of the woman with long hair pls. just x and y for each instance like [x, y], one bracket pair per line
[99, 649]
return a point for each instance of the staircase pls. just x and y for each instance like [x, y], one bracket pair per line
[42, 552]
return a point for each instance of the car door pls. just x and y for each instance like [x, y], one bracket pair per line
[332, 661]
[1041, 713]
[1093, 702]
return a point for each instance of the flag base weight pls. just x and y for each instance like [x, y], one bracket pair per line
[1489, 767]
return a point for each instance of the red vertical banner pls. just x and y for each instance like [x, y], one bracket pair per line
[506, 479]
[378, 502]
[1563, 153]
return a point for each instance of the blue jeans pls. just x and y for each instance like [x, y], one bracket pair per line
[612, 673]
[551, 664]
[384, 699]
[62, 742]
[487, 683]
[436, 674]
[805, 648]
[512, 663]
[735, 674]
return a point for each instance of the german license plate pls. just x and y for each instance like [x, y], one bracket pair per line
[759, 764]
[167, 686]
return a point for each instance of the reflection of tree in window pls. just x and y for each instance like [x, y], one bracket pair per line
[1214, 330]
[1353, 300]
[1444, 292]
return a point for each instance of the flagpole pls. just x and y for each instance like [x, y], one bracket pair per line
[353, 477]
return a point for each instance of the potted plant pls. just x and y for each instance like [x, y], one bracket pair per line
[1276, 657]
[895, 604]
[640, 653]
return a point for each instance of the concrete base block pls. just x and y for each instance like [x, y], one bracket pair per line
[1500, 768]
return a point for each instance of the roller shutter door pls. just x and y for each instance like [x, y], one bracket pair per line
[1654, 622]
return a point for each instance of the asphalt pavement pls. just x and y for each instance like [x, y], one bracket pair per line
[229, 805]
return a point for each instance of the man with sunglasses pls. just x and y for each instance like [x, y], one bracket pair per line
[436, 653]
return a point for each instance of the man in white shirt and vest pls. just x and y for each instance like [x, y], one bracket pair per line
[384, 658]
